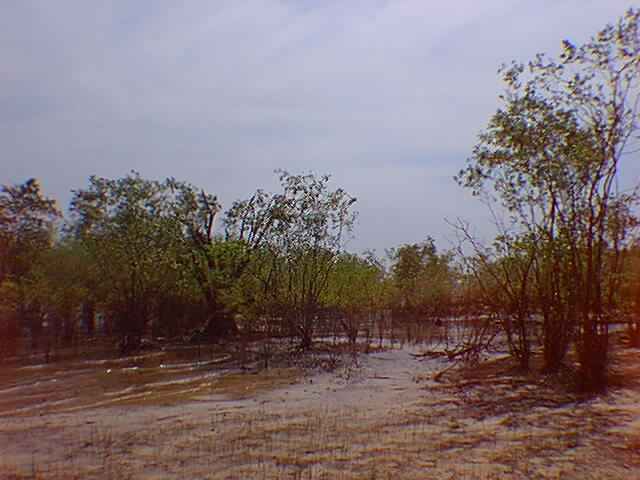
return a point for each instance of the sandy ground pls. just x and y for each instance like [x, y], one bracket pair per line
[383, 418]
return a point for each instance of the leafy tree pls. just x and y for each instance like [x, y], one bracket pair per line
[355, 292]
[26, 233]
[503, 277]
[9, 328]
[26, 226]
[296, 235]
[159, 257]
[630, 295]
[129, 230]
[62, 282]
[213, 264]
[552, 156]
[422, 280]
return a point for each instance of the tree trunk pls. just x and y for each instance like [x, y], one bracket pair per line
[219, 325]
[593, 356]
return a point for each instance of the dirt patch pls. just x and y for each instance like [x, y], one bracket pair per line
[382, 417]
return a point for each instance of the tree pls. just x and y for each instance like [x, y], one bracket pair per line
[422, 280]
[63, 282]
[630, 296]
[503, 277]
[26, 233]
[355, 293]
[552, 154]
[26, 226]
[296, 235]
[129, 230]
[215, 265]
[159, 256]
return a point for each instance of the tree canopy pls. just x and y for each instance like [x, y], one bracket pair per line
[551, 157]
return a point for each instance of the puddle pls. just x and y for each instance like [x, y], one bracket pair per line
[159, 377]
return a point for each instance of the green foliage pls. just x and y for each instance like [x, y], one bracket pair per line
[502, 277]
[26, 233]
[155, 247]
[26, 226]
[551, 156]
[9, 329]
[630, 294]
[62, 281]
[356, 285]
[296, 237]
[422, 280]
[129, 230]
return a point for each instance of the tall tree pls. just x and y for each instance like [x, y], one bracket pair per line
[355, 293]
[501, 278]
[27, 229]
[63, 282]
[422, 280]
[128, 229]
[552, 156]
[26, 226]
[297, 235]
[215, 265]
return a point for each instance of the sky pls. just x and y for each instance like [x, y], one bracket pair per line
[386, 96]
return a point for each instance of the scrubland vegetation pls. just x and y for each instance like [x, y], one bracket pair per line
[138, 266]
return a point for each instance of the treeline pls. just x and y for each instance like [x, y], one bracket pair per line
[146, 258]
[138, 258]
[550, 158]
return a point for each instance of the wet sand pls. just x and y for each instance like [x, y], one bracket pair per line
[382, 417]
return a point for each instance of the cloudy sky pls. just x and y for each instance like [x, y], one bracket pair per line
[386, 96]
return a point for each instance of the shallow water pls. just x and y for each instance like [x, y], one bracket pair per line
[383, 417]
[161, 376]
[95, 377]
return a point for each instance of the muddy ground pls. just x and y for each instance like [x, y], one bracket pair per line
[381, 415]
